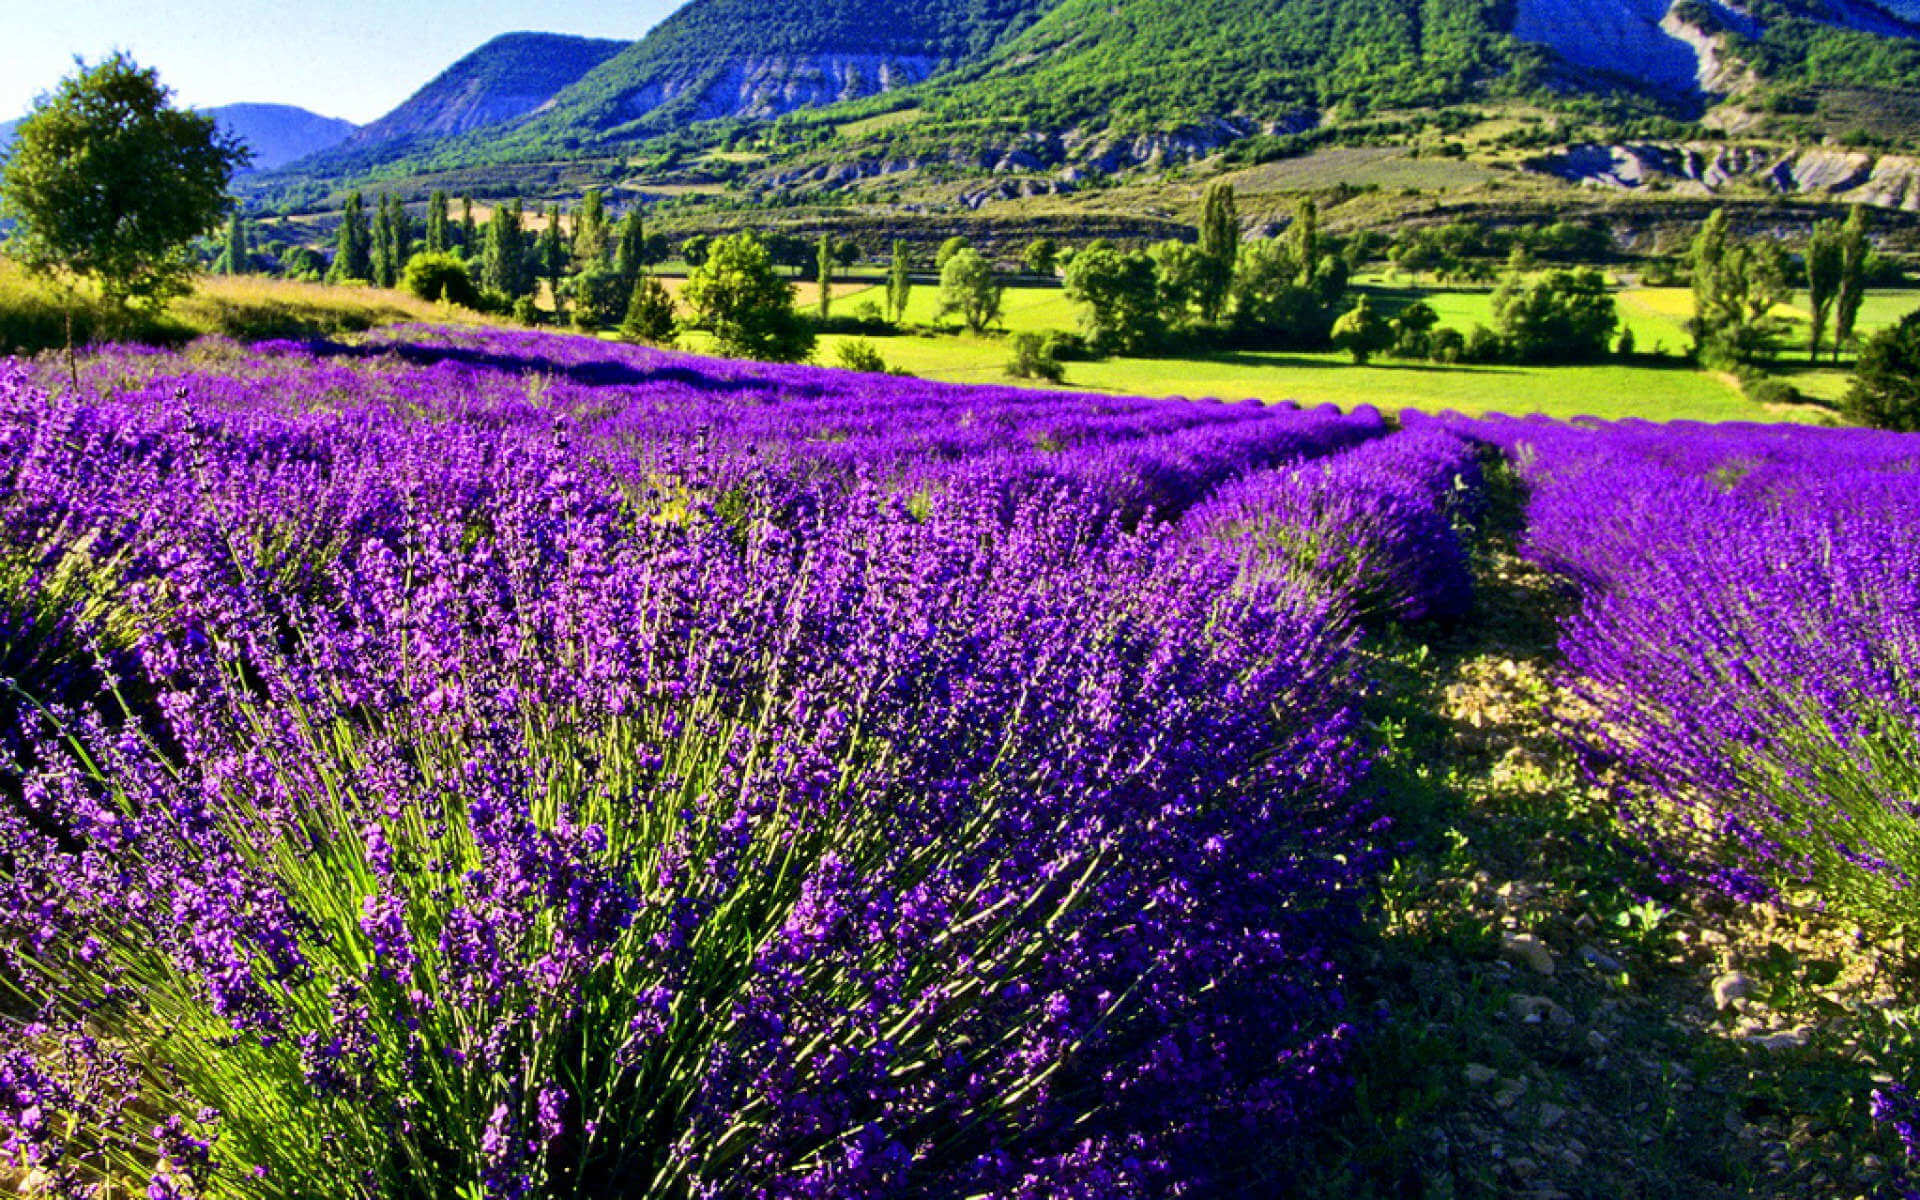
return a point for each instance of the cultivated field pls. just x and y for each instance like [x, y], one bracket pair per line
[492, 763]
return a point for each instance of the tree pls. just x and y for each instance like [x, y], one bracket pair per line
[969, 287]
[1281, 298]
[1413, 330]
[1119, 294]
[630, 247]
[948, 249]
[503, 256]
[550, 255]
[1737, 283]
[439, 233]
[392, 239]
[599, 296]
[899, 284]
[1184, 277]
[737, 295]
[236, 258]
[694, 249]
[1825, 264]
[1885, 393]
[1362, 332]
[650, 313]
[1561, 316]
[590, 229]
[823, 268]
[469, 229]
[108, 182]
[1855, 250]
[1219, 247]
[353, 246]
[1041, 256]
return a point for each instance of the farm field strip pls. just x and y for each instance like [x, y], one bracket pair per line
[521, 765]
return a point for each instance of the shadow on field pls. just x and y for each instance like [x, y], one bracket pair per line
[598, 373]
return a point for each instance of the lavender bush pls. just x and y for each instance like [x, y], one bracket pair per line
[507, 766]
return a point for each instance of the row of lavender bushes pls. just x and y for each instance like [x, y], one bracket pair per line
[492, 765]
[1748, 642]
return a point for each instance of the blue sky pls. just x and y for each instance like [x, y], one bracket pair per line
[343, 58]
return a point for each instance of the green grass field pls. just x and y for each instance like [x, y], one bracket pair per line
[1644, 388]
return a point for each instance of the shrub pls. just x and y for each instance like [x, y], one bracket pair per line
[1033, 358]
[650, 313]
[1885, 392]
[858, 354]
[438, 276]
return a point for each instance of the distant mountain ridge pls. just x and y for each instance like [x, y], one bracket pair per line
[509, 77]
[278, 134]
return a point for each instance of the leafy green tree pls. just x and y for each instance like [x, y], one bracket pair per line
[823, 270]
[1560, 316]
[1219, 247]
[1119, 296]
[1362, 332]
[694, 249]
[737, 294]
[1184, 277]
[1885, 393]
[1413, 330]
[1737, 283]
[1855, 252]
[590, 237]
[948, 249]
[303, 263]
[630, 247]
[899, 284]
[236, 258]
[503, 255]
[1281, 298]
[1033, 358]
[439, 231]
[859, 354]
[469, 228]
[968, 286]
[650, 313]
[390, 241]
[1825, 264]
[107, 181]
[437, 275]
[1041, 256]
[353, 246]
[550, 255]
[598, 295]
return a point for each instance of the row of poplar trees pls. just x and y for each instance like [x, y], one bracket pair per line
[584, 256]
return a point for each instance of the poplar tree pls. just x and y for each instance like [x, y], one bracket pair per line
[630, 248]
[551, 254]
[503, 258]
[1851, 290]
[590, 229]
[899, 284]
[237, 256]
[469, 228]
[353, 247]
[824, 268]
[439, 233]
[1825, 263]
[1219, 247]
[385, 257]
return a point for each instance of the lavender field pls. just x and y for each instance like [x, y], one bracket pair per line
[484, 764]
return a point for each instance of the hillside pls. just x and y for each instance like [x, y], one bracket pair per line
[279, 133]
[506, 78]
[762, 58]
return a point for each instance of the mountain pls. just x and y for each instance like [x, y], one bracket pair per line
[508, 77]
[762, 58]
[280, 134]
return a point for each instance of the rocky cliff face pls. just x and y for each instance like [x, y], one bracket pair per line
[768, 87]
[1889, 181]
